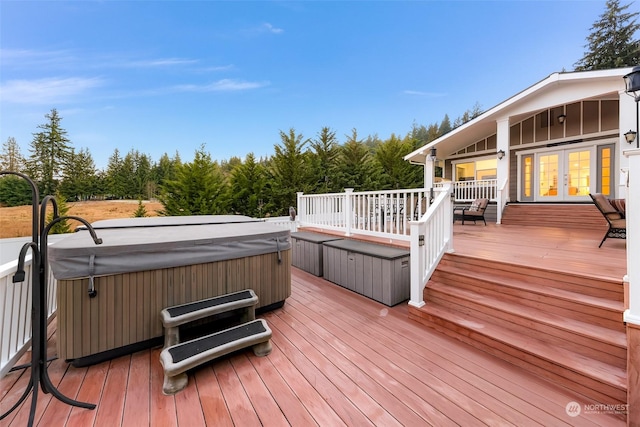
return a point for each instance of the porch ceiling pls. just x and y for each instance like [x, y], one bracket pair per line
[557, 89]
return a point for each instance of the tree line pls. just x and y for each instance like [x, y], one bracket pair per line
[250, 186]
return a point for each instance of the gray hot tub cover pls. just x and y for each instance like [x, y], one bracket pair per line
[140, 244]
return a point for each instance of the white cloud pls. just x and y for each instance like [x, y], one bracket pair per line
[426, 94]
[47, 90]
[224, 85]
[162, 62]
[271, 29]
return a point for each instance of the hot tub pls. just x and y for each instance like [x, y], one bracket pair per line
[147, 264]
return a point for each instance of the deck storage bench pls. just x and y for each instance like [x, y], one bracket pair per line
[379, 272]
[306, 248]
[147, 264]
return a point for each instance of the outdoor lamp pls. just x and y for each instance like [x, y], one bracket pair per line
[632, 87]
[500, 154]
[632, 82]
[561, 118]
[432, 155]
[630, 136]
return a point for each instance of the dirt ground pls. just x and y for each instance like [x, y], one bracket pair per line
[16, 221]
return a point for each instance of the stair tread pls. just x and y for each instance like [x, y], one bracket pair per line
[538, 289]
[603, 334]
[603, 372]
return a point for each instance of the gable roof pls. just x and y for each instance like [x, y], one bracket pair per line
[557, 89]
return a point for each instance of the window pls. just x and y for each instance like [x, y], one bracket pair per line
[476, 170]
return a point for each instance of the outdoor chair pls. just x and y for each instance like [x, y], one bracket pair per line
[615, 218]
[473, 213]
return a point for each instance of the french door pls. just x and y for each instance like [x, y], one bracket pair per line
[557, 176]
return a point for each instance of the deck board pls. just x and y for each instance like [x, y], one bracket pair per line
[341, 359]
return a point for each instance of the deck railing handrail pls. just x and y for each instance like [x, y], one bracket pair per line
[431, 237]
[15, 312]
[468, 191]
[373, 213]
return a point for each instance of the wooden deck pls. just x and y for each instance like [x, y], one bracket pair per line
[341, 359]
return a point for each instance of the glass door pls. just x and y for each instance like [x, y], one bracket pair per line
[578, 169]
[550, 177]
[564, 175]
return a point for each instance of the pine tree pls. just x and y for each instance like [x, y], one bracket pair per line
[50, 150]
[610, 43]
[248, 188]
[325, 151]
[199, 189]
[10, 158]
[140, 211]
[289, 171]
[61, 227]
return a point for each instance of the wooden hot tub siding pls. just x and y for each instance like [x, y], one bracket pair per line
[127, 307]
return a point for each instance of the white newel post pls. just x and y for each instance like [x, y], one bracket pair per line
[348, 211]
[417, 265]
[502, 143]
[632, 313]
[301, 212]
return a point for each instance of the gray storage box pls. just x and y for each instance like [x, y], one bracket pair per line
[307, 251]
[379, 272]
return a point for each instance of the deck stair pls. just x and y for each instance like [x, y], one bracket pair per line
[563, 327]
[178, 357]
[553, 215]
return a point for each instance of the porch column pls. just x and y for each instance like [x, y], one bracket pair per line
[429, 170]
[502, 175]
[632, 313]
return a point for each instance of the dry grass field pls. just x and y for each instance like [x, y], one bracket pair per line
[16, 221]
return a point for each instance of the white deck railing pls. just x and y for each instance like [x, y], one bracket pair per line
[468, 191]
[373, 213]
[431, 238]
[15, 312]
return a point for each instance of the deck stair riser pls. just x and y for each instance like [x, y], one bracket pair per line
[568, 329]
[554, 215]
[604, 288]
[566, 304]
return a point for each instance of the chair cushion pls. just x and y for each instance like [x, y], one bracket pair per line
[620, 205]
[475, 206]
[619, 223]
[607, 209]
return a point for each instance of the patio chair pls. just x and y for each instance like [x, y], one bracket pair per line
[473, 213]
[615, 219]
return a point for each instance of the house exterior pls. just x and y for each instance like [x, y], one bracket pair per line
[556, 141]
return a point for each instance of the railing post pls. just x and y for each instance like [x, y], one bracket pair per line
[417, 265]
[348, 209]
[302, 212]
[449, 215]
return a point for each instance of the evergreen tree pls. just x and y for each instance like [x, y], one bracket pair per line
[10, 157]
[63, 226]
[325, 151]
[14, 191]
[116, 177]
[248, 188]
[79, 179]
[355, 166]
[289, 171]
[140, 211]
[50, 150]
[610, 43]
[396, 172]
[199, 189]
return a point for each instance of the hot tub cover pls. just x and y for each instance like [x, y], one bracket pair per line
[140, 244]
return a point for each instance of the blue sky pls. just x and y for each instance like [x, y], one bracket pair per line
[167, 76]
